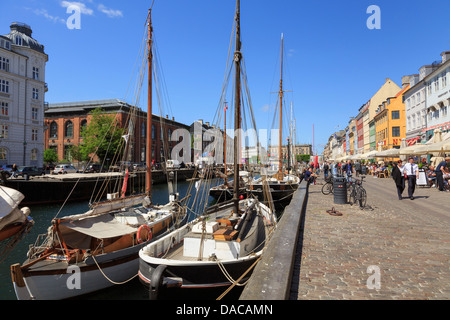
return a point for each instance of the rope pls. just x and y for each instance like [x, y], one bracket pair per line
[113, 282]
[237, 281]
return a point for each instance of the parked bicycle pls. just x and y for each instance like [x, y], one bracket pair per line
[327, 188]
[357, 193]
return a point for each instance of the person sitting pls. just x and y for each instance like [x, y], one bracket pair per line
[446, 177]
[431, 177]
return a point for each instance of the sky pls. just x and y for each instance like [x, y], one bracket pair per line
[333, 62]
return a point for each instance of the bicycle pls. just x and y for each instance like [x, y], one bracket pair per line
[357, 193]
[328, 186]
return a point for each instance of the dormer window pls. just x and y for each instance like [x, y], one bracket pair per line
[18, 41]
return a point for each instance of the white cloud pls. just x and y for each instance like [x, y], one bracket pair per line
[110, 12]
[82, 6]
[45, 14]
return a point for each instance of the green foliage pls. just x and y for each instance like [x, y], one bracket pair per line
[50, 156]
[303, 157]
[102, 137]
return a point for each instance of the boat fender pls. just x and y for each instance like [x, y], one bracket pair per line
[156, 281]
[140, 233]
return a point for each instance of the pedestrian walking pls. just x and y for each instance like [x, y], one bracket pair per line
[14, 171]
[357, 168]
[440, 173]
[348, 169]
[325, 170]
[412, 174]
[399, 178]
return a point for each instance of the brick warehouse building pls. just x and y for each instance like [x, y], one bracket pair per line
[63, 123]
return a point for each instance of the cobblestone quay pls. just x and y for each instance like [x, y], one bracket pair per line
[405, 244]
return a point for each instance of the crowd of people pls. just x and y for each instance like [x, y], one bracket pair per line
[435, 176]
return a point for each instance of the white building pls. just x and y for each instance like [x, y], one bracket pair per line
[22, 91]
[427, 101]
[438, 97]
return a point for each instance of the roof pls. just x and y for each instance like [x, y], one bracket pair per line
[23, 31]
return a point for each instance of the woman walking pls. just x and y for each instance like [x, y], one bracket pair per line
[399, 178]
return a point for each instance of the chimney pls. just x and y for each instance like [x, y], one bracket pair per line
[445, 56]
[407, 80]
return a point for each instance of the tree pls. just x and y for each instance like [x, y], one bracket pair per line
[102, 137]
[50, 156]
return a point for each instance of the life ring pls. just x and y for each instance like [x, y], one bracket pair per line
[140, 233]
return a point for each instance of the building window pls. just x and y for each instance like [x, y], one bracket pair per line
[4, 64]
[153, 132]
[4, 86]
[429, 89]
[3, 131]
[4, 108]
[436, 84]
[34, 113]
[396, 131]
[18, 41]
[68, 129]
[34, 134]
[3, 154]
[143, 129]
[35, 73]
[396, 114]
[68, 153]
[35, 93]
[34, 154]
[444, 79]
[53, 130]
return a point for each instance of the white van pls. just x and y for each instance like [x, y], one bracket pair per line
[173, 164]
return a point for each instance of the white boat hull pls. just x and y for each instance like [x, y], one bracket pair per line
[74, 283]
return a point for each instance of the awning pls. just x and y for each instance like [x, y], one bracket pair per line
[100, 227]
[390, 153]
[412, 141]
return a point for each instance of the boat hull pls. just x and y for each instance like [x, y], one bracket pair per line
[71, 282]
[199, 274]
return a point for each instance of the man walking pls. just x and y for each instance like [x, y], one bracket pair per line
[440, 173]
[412, 173]
[399, 178]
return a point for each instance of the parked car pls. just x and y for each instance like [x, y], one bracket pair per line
[94, 168]
[7, 169]
[64, 168]
[27, 171]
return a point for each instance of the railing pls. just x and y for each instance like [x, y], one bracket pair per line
[272, 277]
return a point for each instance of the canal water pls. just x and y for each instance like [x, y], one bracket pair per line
[133, 290]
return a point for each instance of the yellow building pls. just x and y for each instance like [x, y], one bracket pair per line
[388, 89]
[390, 122]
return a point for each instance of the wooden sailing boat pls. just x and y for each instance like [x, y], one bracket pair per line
[101, 246]
[281, 185]
[14, 222]
[220, 247]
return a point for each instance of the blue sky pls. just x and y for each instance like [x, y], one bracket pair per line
[334, 63]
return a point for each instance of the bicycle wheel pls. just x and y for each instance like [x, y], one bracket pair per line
[352, 196]
[327, 188]
[362, 197]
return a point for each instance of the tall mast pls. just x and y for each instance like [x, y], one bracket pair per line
[225, 141]
[237, 106]
[281, 108]
[149, 109]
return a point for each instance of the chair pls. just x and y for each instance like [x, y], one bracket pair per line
[382, 174]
